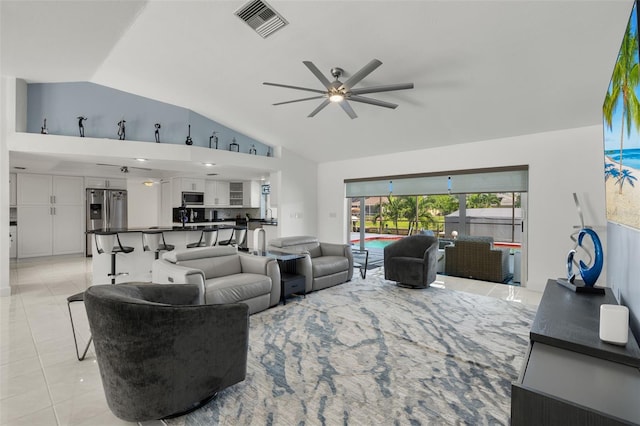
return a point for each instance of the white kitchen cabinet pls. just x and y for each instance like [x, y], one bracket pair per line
[236, 194]
[216, 193]
[251, 194]
[12, 189]
[50, 212]
[223, 193]
[190, 184]
[101, 182]
[34, 190]
[180, 185]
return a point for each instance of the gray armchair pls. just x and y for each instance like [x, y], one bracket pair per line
[160, 353]
[411, 261]
[477, 258]
[324, 264]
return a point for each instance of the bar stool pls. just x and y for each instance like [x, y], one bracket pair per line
[240, 234]
[225, 236]
[109, 242]
[153, 240]
[208, 238]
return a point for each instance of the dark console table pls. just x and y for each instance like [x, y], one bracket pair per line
[569, 375]
[290, 281]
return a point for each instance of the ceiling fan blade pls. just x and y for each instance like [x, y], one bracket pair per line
[300, 100]
[295, 87]
[347, 108]
[372, 102]
[317, 110]
[386, 88]
[364, 71]
[324, 80]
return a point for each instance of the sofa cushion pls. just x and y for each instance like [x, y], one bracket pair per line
[315, 251]
[236, 288]
[327, 265]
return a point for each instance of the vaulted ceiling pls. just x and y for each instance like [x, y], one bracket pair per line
[481, 69]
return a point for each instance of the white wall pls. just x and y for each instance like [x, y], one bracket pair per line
[143, 204]
[296, 185]
[560, 163]
[7, 116]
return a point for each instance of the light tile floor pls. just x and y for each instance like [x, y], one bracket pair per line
[41, 381]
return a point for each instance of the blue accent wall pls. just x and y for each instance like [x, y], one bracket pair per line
[104, 107]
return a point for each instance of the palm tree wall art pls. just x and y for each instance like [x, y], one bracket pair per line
[621, 117]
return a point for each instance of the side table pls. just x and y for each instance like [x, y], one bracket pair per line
[291, 282]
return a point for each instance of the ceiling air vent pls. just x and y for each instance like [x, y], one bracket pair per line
[261, 17]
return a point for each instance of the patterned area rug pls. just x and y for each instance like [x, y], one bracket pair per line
[369, 352]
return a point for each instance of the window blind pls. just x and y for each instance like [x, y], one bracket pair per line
[512, 179]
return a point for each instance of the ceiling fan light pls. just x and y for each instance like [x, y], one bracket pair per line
[336, 97]
[147, 183]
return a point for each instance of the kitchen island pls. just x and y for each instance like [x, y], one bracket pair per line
[138, 263]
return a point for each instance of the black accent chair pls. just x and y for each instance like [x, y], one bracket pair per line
[160, 353]
[412, 261]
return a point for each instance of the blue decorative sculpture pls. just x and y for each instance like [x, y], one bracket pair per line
[589, 274]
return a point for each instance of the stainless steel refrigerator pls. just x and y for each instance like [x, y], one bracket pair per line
[106, 208]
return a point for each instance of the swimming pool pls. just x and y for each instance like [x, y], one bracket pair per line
[376, 242]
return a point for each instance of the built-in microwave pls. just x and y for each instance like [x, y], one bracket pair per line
[193, 198]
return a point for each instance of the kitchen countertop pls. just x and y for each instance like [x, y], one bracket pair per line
[168, 229]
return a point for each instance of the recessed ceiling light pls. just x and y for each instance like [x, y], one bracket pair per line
[209, 164]
[141, 159]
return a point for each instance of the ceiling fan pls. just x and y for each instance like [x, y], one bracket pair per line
[123, 169]
[340, 93]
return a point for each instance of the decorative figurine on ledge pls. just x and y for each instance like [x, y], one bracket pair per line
[157, 133]
[213, 140]
[121, 129]
[189, 141]
[43, 129]
[269, 154]
[253, 150]
[234, 146]
[81, 125]
[591, 273]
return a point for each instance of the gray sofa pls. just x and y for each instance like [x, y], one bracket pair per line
[223, 275]
[324, 264]
[412, 261]
[159, 352]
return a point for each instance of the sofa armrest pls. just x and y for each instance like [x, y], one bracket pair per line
[332, 249]
[264, 266]
[164, 272]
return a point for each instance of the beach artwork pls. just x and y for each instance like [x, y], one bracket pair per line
[621, 119]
